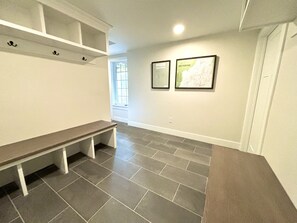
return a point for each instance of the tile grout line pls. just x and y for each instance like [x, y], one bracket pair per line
[78, 164]
[109, 195]
[15, 208]
[141, 199]
[105, 160]
[58, 214]
[84, 178]
[65, 201]
[162, 169]
[113, 196]
[69, 184]
[28, 190]
[155, 153]
[104, 178]
[128, 160]
[175, 180]
[14, 219]
[155, 133]
[170, 155]
[197, 154]
[188, 210]
[155, 150]
[174, 203]
[131, 209]
[44, 182]
[156, 174]
[153, 173]
[131, 181]
[175, 192]
[175, 151]
[100, 208]
[135, 173]
[202, 154]
[186, 170]
[190, 171]
[188, 165]
[139, 153]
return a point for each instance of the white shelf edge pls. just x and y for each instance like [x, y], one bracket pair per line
[47, 39]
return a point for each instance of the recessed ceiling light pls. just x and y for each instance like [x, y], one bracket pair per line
[178, 29]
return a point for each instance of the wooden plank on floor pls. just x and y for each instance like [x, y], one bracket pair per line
[242, 188]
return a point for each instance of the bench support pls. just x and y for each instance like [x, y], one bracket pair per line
[20, 179]
[87, 147]
[110, 138]
[60, 160]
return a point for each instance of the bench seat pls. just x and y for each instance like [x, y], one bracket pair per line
[16, 153]
[242, 188]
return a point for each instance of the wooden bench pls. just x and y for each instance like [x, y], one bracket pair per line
[13, 155]
[242, 188]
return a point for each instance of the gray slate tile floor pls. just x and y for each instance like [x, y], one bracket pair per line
[151, 177]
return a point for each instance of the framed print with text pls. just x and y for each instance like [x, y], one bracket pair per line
[161, 74]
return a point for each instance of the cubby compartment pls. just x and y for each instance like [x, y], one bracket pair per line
[27, 13]
[50, 28]
[60, 25]
[93, 38]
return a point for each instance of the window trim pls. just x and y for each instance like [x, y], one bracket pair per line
[114, 80]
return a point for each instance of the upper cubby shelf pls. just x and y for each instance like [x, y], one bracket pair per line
[10, 29]
[24, 13]
[55, 24]
[93, 38]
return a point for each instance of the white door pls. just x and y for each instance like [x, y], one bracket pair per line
[265, 92]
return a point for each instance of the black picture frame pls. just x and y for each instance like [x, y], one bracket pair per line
[154, 74]
[210, 79]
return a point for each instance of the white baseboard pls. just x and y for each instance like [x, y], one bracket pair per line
[188, 135]
[120, 119]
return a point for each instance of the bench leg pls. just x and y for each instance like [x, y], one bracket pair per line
[110, 138]
[87, 147]
[60, 160]
[20, 179]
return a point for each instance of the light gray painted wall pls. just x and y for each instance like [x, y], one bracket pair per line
[215, 116]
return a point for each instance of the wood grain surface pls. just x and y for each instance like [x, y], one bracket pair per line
[16, 151]
[242, 188]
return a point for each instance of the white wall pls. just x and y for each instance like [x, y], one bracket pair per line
[214, 116]
[39, 96]
[280, 143]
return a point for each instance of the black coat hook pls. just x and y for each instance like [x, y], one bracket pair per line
[56, 53]
[84, 59]
[11, 43]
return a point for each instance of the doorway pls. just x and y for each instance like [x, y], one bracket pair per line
[268, 78]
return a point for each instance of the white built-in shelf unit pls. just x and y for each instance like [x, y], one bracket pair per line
[52, 29]
[258, 14]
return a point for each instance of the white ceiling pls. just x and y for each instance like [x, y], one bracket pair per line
[140, 23]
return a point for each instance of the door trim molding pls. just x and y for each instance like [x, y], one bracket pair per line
[255, 84]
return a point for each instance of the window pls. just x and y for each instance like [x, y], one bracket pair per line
[119, 74]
